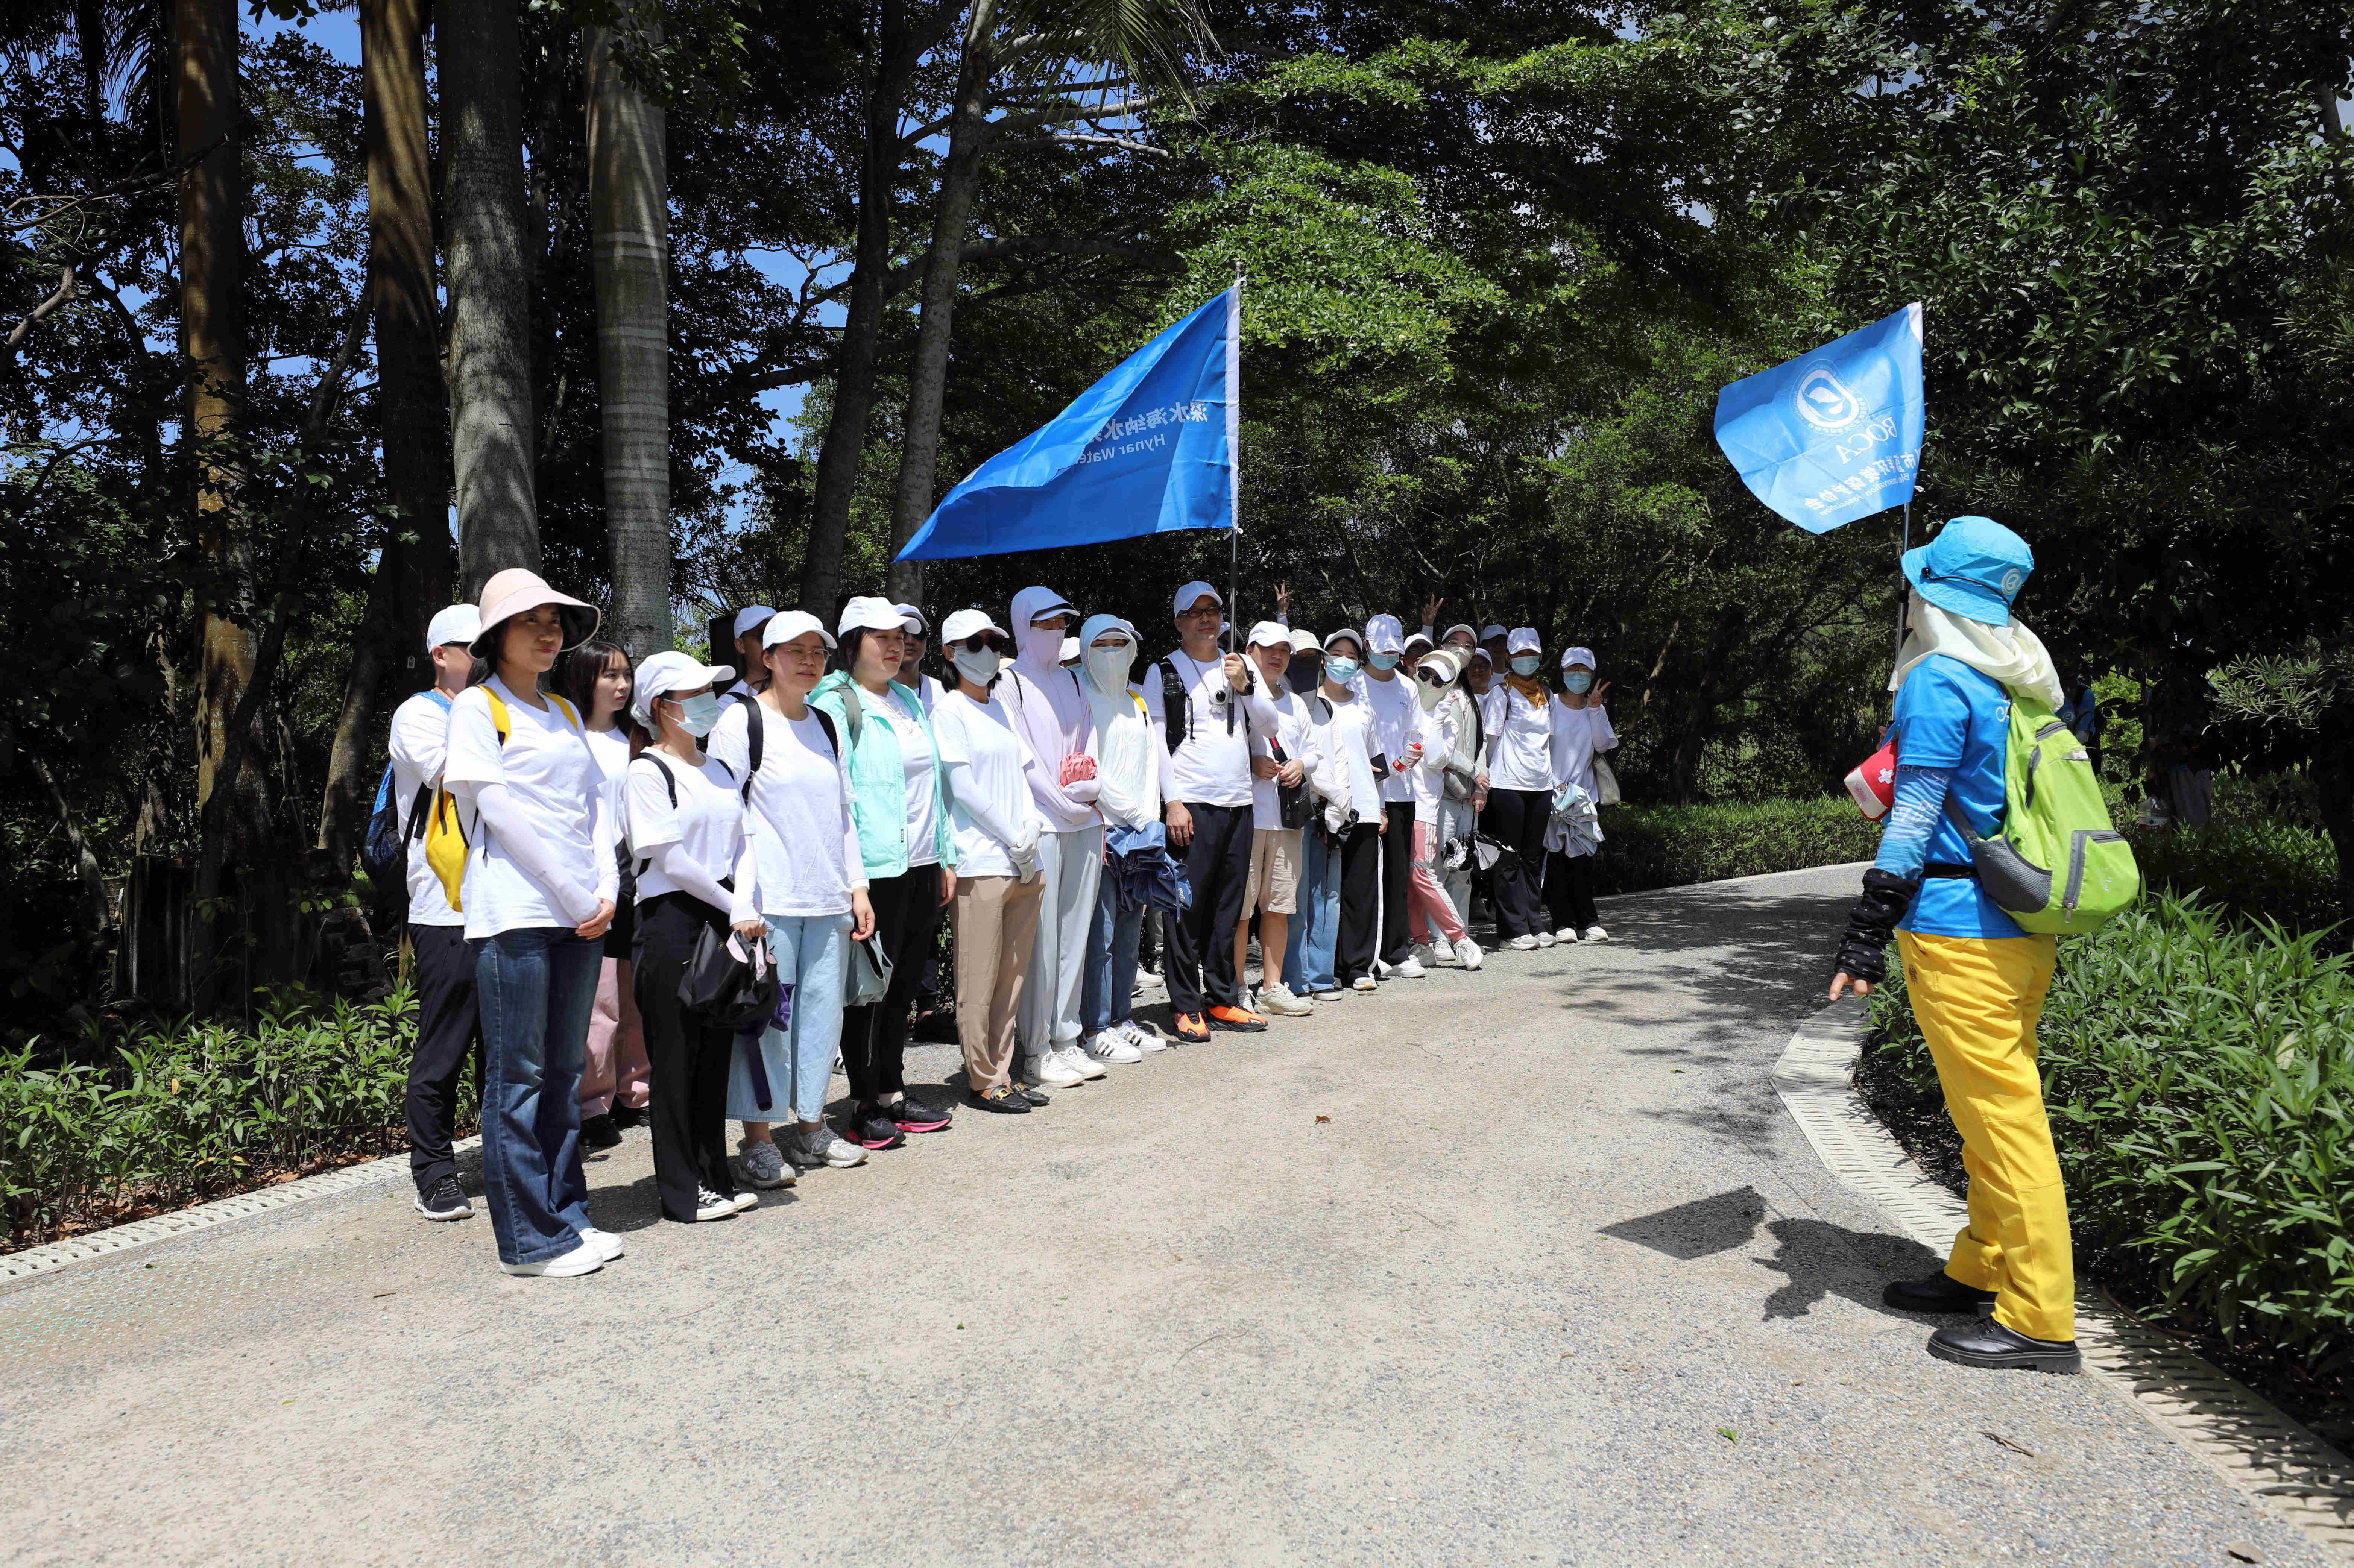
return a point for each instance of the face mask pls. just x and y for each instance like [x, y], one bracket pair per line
[1386, 661]
[1526, 664]
[1579, 681]
[1041, 647]
[1340, 669]
[979, 668]
[696, 713]
[1430, 695]
[1108, 667]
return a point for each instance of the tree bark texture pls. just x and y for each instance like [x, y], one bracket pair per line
[492, 421]
[629, 208]
[928, 378]
[861, 328]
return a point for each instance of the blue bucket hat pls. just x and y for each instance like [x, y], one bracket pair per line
[1975, 566]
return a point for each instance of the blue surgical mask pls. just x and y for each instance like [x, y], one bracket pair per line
[1579, 681]
[1525, 663]
[698, 713]
[1386, 661]
[1340, 669]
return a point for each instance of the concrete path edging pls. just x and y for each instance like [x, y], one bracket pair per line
[204, 1216]
[2241, 1435]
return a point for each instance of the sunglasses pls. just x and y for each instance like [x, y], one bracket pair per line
[1431, 678]
[987, 640]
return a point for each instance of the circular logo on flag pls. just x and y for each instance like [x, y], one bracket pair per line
[1824, 401]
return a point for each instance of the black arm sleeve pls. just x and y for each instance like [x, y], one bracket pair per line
[1872, 921]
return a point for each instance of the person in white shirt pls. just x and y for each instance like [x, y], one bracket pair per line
[998, 826]
[911, 658]
[812, 891]
[1206, 709]
[1127, 794]
[751, 658]
[1446, 758]
[1392, 718]
[1581, 728]
[1273, 890]
[1049, 709]
[538, 895]
[614, 1080]
[1316, 923]
[449, 1028]
[1354, 823]
[1520, 794]
[687, 822]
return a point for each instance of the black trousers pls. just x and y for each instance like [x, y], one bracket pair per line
[1200, 960]
[687, 1057]
[1359, 939]
[1569, 890]
[448, 1033]
[1398, 879]
[1517, 818]
[874, 1038]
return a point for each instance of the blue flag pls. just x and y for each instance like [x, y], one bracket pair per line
[1150, 449]
[1834, 435]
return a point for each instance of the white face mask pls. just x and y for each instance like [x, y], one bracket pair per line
[1041, 647]
[1108, 667]
[979, 668]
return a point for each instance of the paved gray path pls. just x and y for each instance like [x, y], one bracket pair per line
[1555, 1282]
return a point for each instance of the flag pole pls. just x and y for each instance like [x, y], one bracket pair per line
[1235, 457]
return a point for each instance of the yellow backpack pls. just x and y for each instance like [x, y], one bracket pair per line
[445, 844]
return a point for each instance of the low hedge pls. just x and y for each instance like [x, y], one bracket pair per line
[1669, 846]
[172, 1117]
[2199, 1075]
[2262, 856]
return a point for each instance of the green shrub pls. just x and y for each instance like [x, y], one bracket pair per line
[2262, 856]
[191, 1111]
[1667, 846]
[2200, 1081]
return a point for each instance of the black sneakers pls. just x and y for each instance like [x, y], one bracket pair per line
[1994, 1345]
[871, 1127]
[1940, 1292]
[447, 1201]
[598, 1132]
[628, 1116]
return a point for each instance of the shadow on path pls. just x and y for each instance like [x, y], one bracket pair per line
[1818, 1258]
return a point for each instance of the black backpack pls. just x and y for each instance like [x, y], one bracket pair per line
[755, 736]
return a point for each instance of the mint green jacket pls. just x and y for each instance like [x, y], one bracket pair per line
[878, 778]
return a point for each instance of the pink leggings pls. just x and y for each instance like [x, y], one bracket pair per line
[616, 1067]
[1425, 897]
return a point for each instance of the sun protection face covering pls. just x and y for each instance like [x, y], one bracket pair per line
[980, 668]
[1386, 661]
[1108, 667]
[1579, 681]
[1525, 665]
[1041, 647]
[698, 713]
[1430, 693]
[1340, 669]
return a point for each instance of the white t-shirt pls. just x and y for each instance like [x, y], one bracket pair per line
[1211, 767]
[1343, 744]
[553, 781]
[420, 740]
[980, 734]
[1520, 742]
[1578, 734]
[804, 838]
[610, 747]
[915, 759]
[1393, 717]
[1297, 736]
[708, 821]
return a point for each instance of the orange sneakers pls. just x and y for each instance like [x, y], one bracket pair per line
[1236, 1020]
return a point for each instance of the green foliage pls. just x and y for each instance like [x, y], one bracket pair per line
[2200, 1082]
[1669, 846]
[174, 1116]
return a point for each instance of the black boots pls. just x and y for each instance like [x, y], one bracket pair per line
[1991, 1344]
[1940, 1292]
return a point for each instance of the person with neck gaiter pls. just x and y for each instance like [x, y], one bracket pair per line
[1138, 873]
[1394, 721]
[1520, 793]
[1050, 715]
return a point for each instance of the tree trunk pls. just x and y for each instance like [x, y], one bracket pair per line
[630, 212]
[861, 328]
[491, 422]
[412, 573]
[927, 379]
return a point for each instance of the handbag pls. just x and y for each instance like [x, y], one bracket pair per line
[726, 985]
[869, 973]
[1605, 784]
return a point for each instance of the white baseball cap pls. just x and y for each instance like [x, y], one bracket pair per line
[1462, 626]
[1577, 656]
[1418, 637]
[964, 623]
[1306, 642]
[1491, 633]
[1191, 595]
[1350, 632]
[1480, 656]
[1385, 635]
[751, 616]
[659, 673]
[452, 623]
[1271, 634]
[1523, 641]
[869, 614]
[785, 625]
[1035, 604]
[1070, 651]
[913, 620]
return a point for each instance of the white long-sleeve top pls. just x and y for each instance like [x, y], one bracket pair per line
[1393, 717]
[1050, 719]
[1129, 758]
[1578, 734]
[544, 830]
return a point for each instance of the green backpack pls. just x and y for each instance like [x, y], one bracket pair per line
[2055, 863]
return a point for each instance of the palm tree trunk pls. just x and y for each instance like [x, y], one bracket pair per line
[490, 423]
[927, 379]
[412, 573]
[861, 328]
[628, 209]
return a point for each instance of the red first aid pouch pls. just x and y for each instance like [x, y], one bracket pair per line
[1873, 782]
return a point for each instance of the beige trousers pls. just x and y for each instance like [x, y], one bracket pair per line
[995, 919]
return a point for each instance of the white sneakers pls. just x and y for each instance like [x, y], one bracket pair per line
[1546, 938]
[1595, 934]
[1113, 1046]
[1467, 953]
[608, 1244]
[1049, 1071]
[1364, 982]
[1442, 951]
[1527, 944]
[1142, 1038]
[1409, 967]
[1284, 1002]
[1079, 1062]
[1566, 934]
[583, 1259]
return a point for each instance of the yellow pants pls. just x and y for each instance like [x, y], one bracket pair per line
[1978, 999]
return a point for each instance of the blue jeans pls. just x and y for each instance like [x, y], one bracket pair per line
[536, 988]
[1110, 968]
[812, 955]
[1316, 927]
